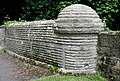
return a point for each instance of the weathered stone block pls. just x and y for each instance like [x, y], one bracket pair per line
[109, 55]
[77, 28]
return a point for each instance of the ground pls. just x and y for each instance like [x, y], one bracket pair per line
[12, 69]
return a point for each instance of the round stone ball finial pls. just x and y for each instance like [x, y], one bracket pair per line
[78, 18]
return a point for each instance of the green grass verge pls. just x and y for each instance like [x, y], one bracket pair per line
[95, 77]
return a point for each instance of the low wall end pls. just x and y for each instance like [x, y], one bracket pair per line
[109, 55]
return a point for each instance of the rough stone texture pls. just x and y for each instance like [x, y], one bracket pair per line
[109, 55]
[1, 35]
[33, 40]
[78, 18]
[77, 29]
[69, 42]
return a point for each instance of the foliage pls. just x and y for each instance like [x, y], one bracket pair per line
[108, 11]
[14, 21]
[94, 77]
[30, 10]
[40, 9]
[44, 9]
[53, 68]
[10, 22]
[64, 3]
[10, 10]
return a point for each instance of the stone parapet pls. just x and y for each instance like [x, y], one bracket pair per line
[109, 55]
[69, 41]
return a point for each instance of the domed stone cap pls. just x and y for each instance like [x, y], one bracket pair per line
[78, 18]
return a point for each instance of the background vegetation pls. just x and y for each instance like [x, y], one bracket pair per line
[30, 10]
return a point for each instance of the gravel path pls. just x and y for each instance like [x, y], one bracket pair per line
[12, 69]
[5, 66]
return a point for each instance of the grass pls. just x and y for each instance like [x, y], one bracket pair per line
[58, 77]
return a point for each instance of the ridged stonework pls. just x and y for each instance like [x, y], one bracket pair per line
[33, 40]
[68, 42]
[77, 29]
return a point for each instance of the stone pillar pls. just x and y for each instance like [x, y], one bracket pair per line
[77, 29]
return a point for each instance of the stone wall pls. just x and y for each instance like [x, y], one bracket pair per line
[69, 41]
[109, 55]
[1, 38]
[33, 40]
